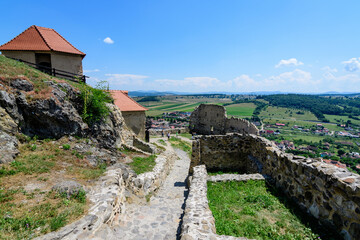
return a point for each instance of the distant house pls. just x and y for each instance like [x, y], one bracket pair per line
[46, 48]
[133, 112]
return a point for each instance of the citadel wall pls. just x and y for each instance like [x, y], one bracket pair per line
[209, 119]
[329, 193]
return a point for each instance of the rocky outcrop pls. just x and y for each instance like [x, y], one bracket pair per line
[22, 84]
[112, 132]
[68, 188]
[55, 113]
[8, 147]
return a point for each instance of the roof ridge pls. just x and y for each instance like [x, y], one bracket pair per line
[122, 91]
[67, 41]
[42, 37]
[135, 101]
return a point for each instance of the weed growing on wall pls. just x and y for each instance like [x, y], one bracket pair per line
[94, 102]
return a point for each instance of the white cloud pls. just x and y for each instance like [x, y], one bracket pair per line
[91, 70]
[289, 62]
[329, 69]
[293, 81]
[192, 84]
[352, 65]
[108, 40]
[125, 79]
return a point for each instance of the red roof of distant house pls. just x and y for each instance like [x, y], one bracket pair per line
[279, 124]
[126, 103]
[40, 39]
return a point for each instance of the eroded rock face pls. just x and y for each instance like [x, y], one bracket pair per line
[7, 124]
[22, 84]
[112, 132]
[8, 147]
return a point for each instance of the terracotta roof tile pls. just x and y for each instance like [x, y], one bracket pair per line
[40, 39]
[124, 102]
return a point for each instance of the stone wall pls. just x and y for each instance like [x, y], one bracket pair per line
[329, 193]
[210, 119]
[198, 222]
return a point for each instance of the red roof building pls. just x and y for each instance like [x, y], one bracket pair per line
[45, 47]
[126, 103]
[133, 112]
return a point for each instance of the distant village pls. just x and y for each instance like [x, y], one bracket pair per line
[170, 120]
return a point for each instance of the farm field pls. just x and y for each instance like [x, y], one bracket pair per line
[341, 119]
[240, 110]
[281, 113]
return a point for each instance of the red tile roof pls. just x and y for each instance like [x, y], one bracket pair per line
[40, 39]
[126, 103]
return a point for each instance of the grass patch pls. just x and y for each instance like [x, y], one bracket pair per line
[21, 221]
[240, 110]
[254, 210]
[180, 144]
[143, 164]
[162, 142]
[94, 173]
[186, 135]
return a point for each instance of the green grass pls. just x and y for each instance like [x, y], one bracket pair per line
[186, 135]
[254, 210]
[281, 113]
[94, 173]
[240, 110]
[341, 119]
[143, 164]
[180, 144]
[51, 214]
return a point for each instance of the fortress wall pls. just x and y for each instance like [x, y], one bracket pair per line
[210, 119]
[329, 193]
[240, 126]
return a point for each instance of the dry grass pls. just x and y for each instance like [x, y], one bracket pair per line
[28, 207]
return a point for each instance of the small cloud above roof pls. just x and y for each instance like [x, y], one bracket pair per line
[108, 40]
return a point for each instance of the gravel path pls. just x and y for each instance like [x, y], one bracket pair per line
[161, 217]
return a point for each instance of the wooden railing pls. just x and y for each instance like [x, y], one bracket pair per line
[56, 72]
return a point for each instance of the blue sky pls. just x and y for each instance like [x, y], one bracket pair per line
[205, 45]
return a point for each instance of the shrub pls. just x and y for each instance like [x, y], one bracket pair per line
[66, 146]
[94, 102]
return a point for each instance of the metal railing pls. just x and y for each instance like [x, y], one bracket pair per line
[56, 72]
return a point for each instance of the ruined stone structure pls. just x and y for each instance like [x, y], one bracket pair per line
[329, 193]
[208, 119]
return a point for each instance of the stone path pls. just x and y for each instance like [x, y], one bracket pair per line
[161, 217]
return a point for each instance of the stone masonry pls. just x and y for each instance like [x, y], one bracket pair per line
[199, 222]
[330, 194]
[209, 119]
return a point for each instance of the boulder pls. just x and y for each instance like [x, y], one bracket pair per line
[69, 188]
[8, 147]
[7, 124]
[22, 84]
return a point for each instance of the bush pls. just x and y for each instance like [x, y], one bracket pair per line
[94, 102]
[66, 146]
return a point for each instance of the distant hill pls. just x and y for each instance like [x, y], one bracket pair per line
[156, 93]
